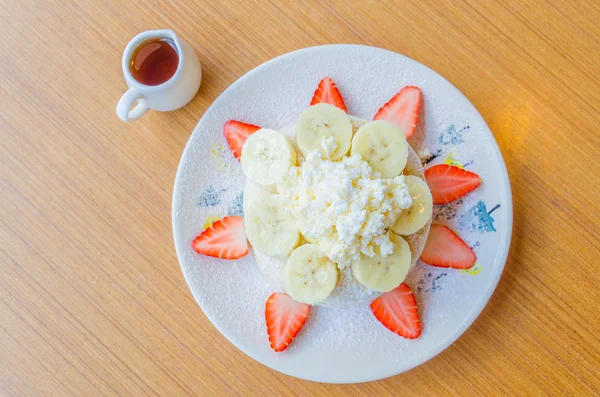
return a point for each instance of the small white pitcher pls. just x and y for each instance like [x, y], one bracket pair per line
[170, 95]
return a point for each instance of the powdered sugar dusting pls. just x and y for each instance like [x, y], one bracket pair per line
[339, 344]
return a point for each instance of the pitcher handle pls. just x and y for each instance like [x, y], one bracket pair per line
[125, 103]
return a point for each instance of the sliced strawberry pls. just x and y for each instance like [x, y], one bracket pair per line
[449, 182]
[327, 92]
[285, 317]
[397, 311]
[403, 109]
[236, 134]
[224, 239]
[445, 249]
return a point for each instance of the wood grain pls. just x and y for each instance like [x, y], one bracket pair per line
[92, 300]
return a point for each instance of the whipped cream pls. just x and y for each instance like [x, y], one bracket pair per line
[344, 206]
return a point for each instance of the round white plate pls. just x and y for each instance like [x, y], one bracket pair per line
[343, 345]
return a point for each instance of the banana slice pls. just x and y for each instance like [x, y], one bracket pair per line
[383, 274]
[309, 276]
[414, 218]
[267, 156]
[315, 127]
[383, 146]
[270, 228]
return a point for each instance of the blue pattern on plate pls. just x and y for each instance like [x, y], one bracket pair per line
[478, 218]
[452, 136]
[430, 282]
[237, 208]
[210, 197]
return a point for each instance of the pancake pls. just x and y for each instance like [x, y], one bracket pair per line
[348, 291]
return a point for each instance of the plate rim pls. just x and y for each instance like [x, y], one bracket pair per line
[499, 260]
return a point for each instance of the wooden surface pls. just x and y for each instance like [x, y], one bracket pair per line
[92, 300]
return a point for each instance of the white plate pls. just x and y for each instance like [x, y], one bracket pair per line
[343, 345]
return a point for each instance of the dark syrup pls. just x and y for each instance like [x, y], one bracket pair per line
[154, 61]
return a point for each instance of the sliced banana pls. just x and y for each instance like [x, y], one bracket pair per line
[309, 276]
[417, 216]
[383, 146]
[270, 228]
[383, 274]
[315, 127]
[267, 156]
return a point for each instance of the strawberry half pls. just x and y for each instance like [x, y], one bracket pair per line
[403, 110]
[449, 182]
[397, 311]
[285, 317]
[445, 249]
[224, 239]
[236, 134]
[327, 92]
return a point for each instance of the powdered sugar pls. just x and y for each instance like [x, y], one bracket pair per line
[338, 344]
[424, 153]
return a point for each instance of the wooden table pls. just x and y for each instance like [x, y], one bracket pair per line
[92, 300]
